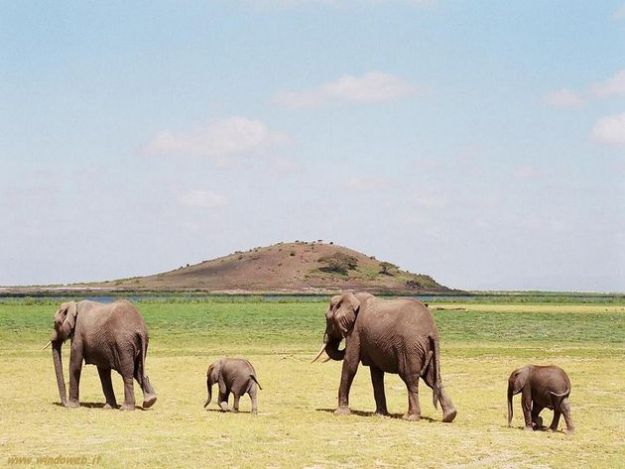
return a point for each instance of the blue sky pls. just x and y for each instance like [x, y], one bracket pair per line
[480, 142]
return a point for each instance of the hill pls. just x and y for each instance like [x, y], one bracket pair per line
[299, 267]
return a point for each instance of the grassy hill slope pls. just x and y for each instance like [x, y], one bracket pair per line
[299, 267]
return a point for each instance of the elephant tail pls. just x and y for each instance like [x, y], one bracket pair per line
[556, 399]
[256, 381]
[438, 385]
[142, 351]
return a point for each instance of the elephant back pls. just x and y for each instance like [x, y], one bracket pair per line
[401, 316]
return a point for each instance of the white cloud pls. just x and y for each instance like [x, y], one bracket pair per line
[202, 199]
[429, 199]
[220, 140]
[367, 184]
[563, 99]
[526, 172]
[372, 87]
[619, 13]
[610, 130]
[282, 165]
[613, 86]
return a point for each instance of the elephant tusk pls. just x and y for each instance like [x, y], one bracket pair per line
[47, 345]
[323, 347]
[327, 359]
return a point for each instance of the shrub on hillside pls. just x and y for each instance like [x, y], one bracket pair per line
[338, 263]
[386, 268]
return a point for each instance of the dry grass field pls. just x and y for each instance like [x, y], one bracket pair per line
[295, 427]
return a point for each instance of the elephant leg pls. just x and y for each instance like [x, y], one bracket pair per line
[412, 384]
[223, 400]
[107, 388]
[129, 393]
[377, 380]
[526, 405]
[349, 369]
[149, 395]
[537, 422]
[127, 370]
[235, 403]
[75, 369]
[556, 420]
[253, 398]
[449, 411]
[565, 407]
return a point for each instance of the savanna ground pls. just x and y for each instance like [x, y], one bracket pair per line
[482, 342]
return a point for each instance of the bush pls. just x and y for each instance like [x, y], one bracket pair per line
[338, 263]
[386, 268]
[413, 284]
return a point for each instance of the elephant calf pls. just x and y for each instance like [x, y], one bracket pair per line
[542, 386]
[233, 375]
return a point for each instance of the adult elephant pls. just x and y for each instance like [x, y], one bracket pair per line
[389, 336]
[112, 337]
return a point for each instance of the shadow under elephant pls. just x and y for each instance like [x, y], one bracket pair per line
[364, 413]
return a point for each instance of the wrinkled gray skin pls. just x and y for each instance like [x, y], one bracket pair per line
[232, 375]
[542, 387]
[110, 336]
[389, 336]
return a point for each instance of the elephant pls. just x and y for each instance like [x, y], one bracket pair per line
[542, 386]
[233, 375]
[389, 336]
[112, 337]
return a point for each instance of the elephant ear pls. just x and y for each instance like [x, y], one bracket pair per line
[67, 314]
[214, 371]
[345, 312]
[519, 380]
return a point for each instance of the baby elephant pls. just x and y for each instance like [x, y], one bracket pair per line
[233, 375]
[542, 386]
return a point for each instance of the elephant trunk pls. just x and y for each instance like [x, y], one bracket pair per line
[58, 369]
[510, 394]
[332, 348]
[209, 388]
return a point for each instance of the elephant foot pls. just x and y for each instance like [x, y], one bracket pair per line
[149, 401]
[412, 417]
[223, 406]
[72, 404]
[342, 411]
[110, 406]
[569, 431]
[529, 428]
[127, 407]
[381, 413]
[450, 415]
